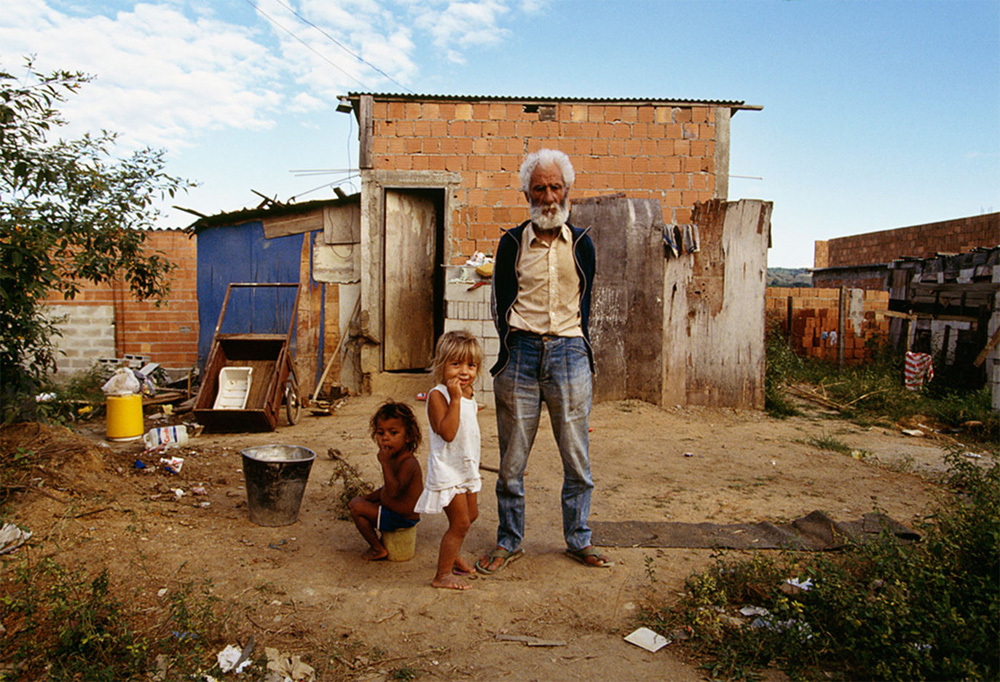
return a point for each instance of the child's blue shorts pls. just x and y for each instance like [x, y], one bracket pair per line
[388, 520]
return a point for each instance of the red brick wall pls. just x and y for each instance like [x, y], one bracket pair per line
[645, 150]
[921, 241]
[168, 334]
[815, 313]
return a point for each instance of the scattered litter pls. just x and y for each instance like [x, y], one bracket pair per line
[229, 659]
[12, 537]
[168, 436]
[749, 611]
[916, 433]
[689, 454]
[178, 493]
[794, 586]
[172, 465]
[972, 455]
[138, 464]
[290, 668]
[276, 545]
[45, 397]
[199, 490]
[162, 592]
[647, 639]
[530, 641]
[122, 382]
[204, 505]
[421, 396]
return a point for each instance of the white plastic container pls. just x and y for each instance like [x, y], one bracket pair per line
[234, 388]
[166, 435]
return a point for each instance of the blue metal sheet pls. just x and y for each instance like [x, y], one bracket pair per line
[240, 253]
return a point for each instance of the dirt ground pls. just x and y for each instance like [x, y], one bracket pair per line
[310, 592]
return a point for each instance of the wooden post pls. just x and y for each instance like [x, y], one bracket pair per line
[788, 323]
[841, 325]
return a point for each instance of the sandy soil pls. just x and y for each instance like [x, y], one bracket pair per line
[307, 590]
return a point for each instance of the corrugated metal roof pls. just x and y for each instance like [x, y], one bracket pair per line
[526, 99]
[245, 215]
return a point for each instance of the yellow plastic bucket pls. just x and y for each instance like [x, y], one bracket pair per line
[124, 417]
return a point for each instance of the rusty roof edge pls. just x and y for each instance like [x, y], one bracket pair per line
[245, 215]
[732, 104]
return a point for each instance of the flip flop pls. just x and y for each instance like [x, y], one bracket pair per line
[499, 553]
[581, 556]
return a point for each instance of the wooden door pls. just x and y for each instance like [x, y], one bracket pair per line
[410, 246]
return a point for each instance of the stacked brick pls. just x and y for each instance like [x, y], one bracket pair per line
[814, 322]
[167, 334]
[920, 241]
[648, 150]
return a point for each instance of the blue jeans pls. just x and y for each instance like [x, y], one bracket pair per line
[554, 370]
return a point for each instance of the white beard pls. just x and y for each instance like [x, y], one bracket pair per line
[549, 221]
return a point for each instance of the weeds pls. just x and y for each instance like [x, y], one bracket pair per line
[65, 625]
[873, 392]
[883, 610]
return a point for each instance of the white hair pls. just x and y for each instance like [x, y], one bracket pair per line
[546, 157]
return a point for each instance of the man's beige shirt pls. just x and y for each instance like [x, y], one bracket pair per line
[548, 286]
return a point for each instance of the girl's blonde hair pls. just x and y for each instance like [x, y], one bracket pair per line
[459, 344]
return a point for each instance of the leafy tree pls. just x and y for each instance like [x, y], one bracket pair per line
[70, 212]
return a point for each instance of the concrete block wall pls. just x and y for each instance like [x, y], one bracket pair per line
[920, 241]
[815, 314]
[646, 150]
[167, 334]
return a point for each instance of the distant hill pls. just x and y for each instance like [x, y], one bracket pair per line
[789, 277]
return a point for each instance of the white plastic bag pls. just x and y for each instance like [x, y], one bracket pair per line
[122, 382]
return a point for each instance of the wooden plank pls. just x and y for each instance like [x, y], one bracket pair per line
[366, 131]
[990, 345]
[282, 226]
[342, 224]
[410, 239]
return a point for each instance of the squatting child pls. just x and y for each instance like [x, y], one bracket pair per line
[395, 430]
[453, 480]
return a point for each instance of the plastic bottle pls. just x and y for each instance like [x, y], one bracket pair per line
[166, 435]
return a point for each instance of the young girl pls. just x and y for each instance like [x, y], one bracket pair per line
[395, 430]
[453, 480]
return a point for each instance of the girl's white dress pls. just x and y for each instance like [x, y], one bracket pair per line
[452, 468]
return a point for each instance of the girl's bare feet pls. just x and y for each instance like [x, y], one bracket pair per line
[375, 555]
[450, 582]
[463, 567]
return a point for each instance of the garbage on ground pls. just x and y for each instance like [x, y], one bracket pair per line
[749, 611]
[45, 397]
[287, 668]
[122, 382]
[916, 433]
[12, 537]
[794, 586]
[138, 464]
[172, 465]
[233, 658]
[168, 436]
[647, 639]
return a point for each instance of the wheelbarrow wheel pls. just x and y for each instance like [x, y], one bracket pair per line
[293, 407]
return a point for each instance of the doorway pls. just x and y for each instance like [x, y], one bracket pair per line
[413, 315]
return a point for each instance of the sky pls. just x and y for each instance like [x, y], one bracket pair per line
[876, 114]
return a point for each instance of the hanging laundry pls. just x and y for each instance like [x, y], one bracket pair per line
[918, 370]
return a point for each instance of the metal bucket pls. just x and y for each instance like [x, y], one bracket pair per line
[275, 477]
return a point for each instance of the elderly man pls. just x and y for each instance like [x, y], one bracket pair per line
[543, 276]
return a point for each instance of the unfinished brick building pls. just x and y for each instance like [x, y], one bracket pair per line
[861, 260]
[439, 183]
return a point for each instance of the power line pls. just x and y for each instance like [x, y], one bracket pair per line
[310, 47]
[344, 47]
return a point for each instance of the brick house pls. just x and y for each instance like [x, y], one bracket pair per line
[439, 183]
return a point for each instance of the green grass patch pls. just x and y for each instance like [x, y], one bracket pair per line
[882, 610]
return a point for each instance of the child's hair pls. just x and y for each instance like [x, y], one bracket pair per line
[459, 344]
[390, 409]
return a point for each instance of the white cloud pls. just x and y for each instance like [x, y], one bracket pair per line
[453, 25]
